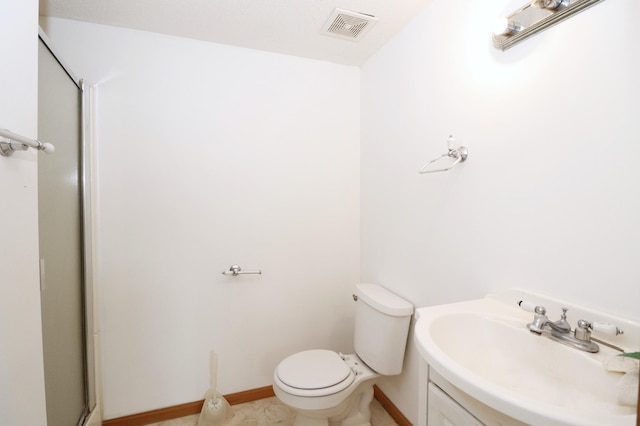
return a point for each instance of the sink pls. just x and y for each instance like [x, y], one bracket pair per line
[484, 348]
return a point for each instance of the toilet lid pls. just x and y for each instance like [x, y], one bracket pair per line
[314, 369]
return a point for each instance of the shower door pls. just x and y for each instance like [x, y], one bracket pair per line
[61, 243]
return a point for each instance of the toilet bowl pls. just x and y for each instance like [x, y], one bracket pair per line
[328, 388]
[325, 387]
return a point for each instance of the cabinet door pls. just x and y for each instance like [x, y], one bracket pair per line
[444, 411]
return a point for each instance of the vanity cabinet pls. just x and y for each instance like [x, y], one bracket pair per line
[442, 410]
[443, 404]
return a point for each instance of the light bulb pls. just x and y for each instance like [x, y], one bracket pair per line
[504, 27]
[547, 4]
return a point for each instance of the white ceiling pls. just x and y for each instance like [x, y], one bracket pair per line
[291, 27]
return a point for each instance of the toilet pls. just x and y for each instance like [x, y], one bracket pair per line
[328, 388]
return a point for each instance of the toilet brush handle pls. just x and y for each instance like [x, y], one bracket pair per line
[213, 365]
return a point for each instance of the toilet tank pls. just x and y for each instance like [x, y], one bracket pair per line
[381, 328]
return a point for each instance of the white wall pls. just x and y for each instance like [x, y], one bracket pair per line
[211, 155]
[21, 365]
[549, 198]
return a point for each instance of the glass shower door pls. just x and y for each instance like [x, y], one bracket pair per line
[61, 254]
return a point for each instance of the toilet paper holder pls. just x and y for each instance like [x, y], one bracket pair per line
[237, 270]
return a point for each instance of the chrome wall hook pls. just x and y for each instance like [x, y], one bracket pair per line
[459, 154]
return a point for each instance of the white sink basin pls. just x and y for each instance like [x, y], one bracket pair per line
[484, 348]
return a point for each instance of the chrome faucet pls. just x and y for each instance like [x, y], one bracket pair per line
[540, 320]
[560, 330]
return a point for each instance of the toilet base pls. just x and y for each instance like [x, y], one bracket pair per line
[355, 411]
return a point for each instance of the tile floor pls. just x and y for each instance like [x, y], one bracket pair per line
[271, 412]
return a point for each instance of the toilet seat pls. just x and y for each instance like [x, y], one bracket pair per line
[317, 372]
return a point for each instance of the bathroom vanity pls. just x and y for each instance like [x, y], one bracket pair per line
[484, 363]
[445, 402]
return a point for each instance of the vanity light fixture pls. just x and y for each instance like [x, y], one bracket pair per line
[535, 17]
[549, 4]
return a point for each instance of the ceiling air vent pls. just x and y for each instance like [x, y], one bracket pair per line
[348, 25]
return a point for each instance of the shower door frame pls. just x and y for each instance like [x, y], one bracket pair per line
[85, 184]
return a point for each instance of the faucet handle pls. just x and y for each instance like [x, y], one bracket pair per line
[605, 328]
[530, 307]
[527, 306]
[584, 329]
[540, 310]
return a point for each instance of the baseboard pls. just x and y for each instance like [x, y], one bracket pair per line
[191, 408]
[187, 409]
[155, 416]
[390, 408]
[250, 395]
